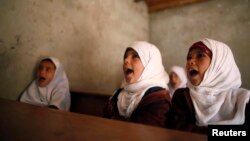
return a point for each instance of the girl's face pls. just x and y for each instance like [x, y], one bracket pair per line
[132, 66]
[174, 80]
[196, 66]
[45, 73]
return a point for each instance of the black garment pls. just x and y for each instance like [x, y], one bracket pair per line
[182, 113]
[151, 110]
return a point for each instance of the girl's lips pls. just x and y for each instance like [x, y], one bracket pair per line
[41, 79]
[193, 72]
[128, 71]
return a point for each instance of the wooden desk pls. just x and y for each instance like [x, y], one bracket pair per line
[24, 122]
[88, 103]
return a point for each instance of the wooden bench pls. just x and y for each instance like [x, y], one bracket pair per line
[88, 103]
[46, 124]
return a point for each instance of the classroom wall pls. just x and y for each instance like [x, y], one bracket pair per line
[174, 30]
[88, 36]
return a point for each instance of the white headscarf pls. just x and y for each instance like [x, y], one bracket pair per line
[181, 73]
[153, 75]
[218, 99]
[55, 93]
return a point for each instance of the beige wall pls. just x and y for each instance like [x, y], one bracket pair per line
[174, 30]
[88, 36]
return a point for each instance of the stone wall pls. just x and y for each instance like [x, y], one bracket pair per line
[89, 37]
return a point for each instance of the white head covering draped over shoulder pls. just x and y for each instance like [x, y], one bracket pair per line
[153, 75]
[218, 99]
[181, 73]
[55, 93]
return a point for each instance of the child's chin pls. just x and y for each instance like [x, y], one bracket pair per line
[195, 83]
[42, 85]
[130, 82]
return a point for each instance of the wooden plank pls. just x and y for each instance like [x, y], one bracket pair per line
[25, 122]
[157, 5]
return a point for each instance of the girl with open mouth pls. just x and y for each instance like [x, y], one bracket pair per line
[144, 96]
[50, 87]
[213, 95]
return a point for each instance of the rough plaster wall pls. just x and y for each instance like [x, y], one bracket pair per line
[174, 30]
[88, 36]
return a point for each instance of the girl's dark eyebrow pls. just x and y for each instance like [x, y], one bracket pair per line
[133, 52]
[126, 52]
[200, 51]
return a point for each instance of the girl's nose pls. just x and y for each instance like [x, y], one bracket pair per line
[191, 61]
[126, 60]
[42, 71]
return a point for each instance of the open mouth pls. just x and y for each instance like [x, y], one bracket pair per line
[128, 71]
[42, 79]
[193, 72]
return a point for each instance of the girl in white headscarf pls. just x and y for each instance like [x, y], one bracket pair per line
[144, 97]
[50, 88]
[213, 96]
[178, 79]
